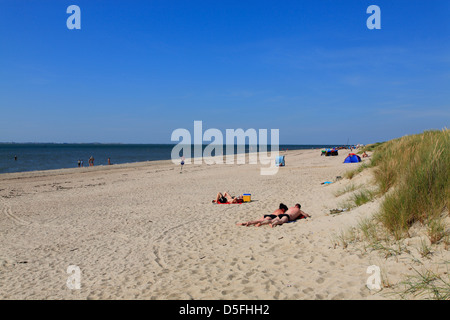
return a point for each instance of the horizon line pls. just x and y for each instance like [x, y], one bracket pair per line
[159, 143]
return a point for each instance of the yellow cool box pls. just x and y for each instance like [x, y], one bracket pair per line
[247, 197]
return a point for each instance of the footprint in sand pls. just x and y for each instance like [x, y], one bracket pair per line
[307, 290]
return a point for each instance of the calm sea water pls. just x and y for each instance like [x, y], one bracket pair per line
[48, 156]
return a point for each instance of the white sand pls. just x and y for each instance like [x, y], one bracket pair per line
[145, 231]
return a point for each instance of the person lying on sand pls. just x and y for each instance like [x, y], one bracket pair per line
[225, 197]
[291, 214]
[266, 218]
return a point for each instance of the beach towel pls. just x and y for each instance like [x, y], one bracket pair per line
[238, 202]
[296, 219]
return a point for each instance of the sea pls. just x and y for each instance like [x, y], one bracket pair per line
[21, 157]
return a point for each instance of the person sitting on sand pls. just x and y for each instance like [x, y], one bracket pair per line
[266, 218]
[226, 198]
[291, 214]
[365, 155]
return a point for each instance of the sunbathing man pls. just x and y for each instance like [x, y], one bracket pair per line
[291, 214]
[226, 198]
[266, 218]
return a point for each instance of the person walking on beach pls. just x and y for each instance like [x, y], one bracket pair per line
[79, 163]
[266, 218]
[91, 161]
[15, 158]
[182, 163]
[291, 214]
[109, 161]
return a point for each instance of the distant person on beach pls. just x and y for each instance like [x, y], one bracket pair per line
[91, 161]
[291, 214]
[82, 163]
[365, 155]
[182, 163]
[109, 161]
[266, 218]
[15, 158]
[227, 198]
[79, 163]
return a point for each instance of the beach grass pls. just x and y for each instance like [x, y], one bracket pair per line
[414, 173]
[358, 198]
[362, 196]
[411, 182]
[424, 248]
[349, 188]
[352, 173]
[427, 284]
[436, 230]
[369, 230]
[370, 147]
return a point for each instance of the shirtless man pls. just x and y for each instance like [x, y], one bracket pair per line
[266, 218]
[290, 215]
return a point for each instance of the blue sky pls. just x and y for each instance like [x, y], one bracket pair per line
[137, 70]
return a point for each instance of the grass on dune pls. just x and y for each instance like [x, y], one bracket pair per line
[427, 284]
[358, 198]
[370, 147]
[346, 189]
[413, 172]
[351, 173]
[413, 175]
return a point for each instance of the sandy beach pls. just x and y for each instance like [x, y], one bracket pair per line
[147, 231]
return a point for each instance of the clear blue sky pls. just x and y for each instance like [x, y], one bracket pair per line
[137, 70]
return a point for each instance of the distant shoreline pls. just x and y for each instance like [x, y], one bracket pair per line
[103, 167]
[25, 157]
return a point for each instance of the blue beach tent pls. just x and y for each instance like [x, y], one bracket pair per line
[352, 158]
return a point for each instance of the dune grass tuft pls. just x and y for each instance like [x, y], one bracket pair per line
[427, 284]
[346, 189]
[351, 173]
[362, 196]
[414, 172]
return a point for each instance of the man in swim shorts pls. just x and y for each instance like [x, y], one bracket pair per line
[291, 214]
[266, 218]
